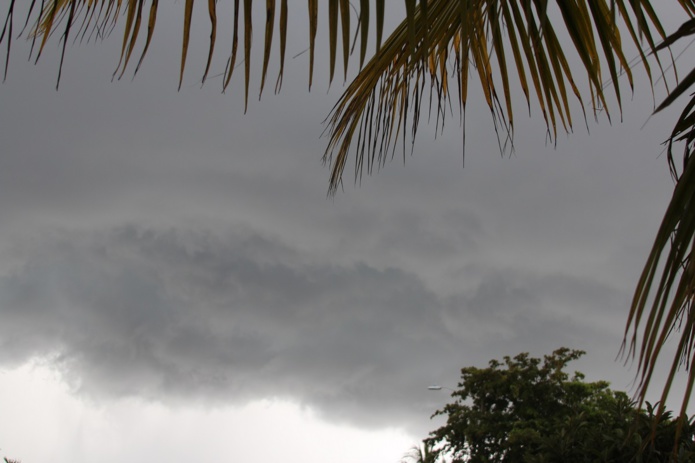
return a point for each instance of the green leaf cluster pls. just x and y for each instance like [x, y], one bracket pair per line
[530, 410]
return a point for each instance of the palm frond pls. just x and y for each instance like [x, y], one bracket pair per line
[664, 297]
[503, 41]
[101, 17]
[499, 39]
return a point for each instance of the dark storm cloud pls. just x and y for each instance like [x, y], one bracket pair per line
[183, 315]
[148, 313]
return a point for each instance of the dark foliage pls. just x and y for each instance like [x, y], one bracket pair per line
[530, 410]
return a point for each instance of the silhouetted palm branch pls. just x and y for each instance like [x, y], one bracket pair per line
[663, 301]
[499, 41]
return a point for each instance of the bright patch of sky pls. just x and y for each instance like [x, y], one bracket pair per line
[44, 421]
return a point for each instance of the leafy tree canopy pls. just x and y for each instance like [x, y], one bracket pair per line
[526, 409]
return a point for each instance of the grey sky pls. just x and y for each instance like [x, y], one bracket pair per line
[163, 245]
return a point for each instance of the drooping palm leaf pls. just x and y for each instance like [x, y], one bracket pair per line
[434, 34]
[7, 29]
[503, 41]
[663, 305]
[102, 15]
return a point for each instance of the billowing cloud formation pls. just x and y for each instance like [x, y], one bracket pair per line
[170, 315]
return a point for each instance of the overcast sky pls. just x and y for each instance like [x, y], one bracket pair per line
[175, 283]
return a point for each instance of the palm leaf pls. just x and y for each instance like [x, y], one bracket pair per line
[283, 43]
[7, 29]
[332, 33]
[269, 27]
[481, 32]
[186, 37]
[663, 305]
[364, 29]
[431, 28]
[212, 11]
[102, 16]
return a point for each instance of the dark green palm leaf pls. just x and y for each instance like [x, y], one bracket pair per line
[479, 32]
[663, 301]
[102, 15]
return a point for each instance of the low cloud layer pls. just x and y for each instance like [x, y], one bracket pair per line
[194, 316]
